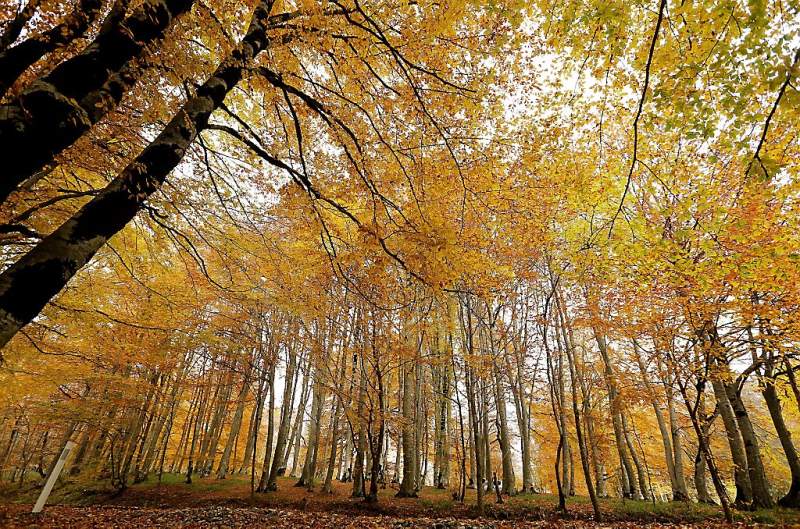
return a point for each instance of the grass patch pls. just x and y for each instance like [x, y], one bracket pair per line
[437, 504]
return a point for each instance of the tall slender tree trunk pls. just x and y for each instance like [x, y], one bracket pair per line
[755, 465]
[703, 495]
[236, 425]
[255, 423]
[294, 445]
[719, 486]
[476, 440]
[523, 419]
[509, 479]
[472, 404]
[677, 443]
[792, 497]
[628, 478]
[641, 474]
[310, 466]
[335, 412]
[286, 417]
[555, 404]
[265, 467]
[442, 479]
[408, 486]
[584, 453]
[678, 493]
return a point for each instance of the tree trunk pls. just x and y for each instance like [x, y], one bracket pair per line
[215, 431]
[569, 348]
[706, 451]
[13, 27]
[566, 452]
[408, 486]
[376, 442]
[254, 425]
[56, 110]
[703, 495]
[361, 442]
[265, 467]
[328, 485]
[286, 417]
[482, 387]
[677, 443]
[476, 440]
[27, 285]
[641, 475]
[298, 423]
[310, 465]
[442, 479]
[678, 494]
[509, 479]
[236, 425]
[555, 404]
[15, 61]
[629, 489]
[758, 477]
[792, 497]
[523, 420]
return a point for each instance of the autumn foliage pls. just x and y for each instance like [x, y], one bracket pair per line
[494, 246]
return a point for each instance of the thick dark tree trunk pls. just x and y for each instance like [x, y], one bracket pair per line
[14, 61]
[54, 111]
[27, 286]
[13, 27]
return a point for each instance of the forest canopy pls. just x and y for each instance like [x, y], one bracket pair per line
[499, 246]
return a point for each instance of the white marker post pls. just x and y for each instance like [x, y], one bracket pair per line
[51, 479]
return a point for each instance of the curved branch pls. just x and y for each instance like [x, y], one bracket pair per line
[662, 6]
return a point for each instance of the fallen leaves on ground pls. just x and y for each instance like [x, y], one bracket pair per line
[17, 516]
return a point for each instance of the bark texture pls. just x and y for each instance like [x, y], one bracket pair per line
[27, 286]
[55, 110]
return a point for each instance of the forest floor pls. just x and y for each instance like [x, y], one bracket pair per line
[228, 503]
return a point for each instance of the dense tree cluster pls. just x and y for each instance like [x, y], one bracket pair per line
[510, 246]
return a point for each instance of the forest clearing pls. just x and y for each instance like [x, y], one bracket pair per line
[399, 263]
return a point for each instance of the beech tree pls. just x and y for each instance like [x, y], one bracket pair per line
[495, 248]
